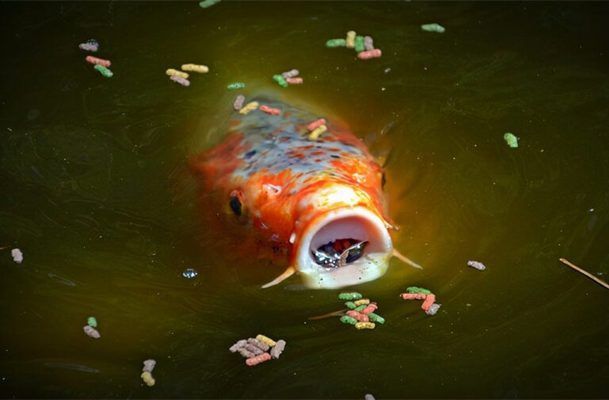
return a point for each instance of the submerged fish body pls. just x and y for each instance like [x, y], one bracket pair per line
[302, 193]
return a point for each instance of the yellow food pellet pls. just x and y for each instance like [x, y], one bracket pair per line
[317, 132]
[147, 378]
[249, 107]
[364, 325]
[175, 72]
[362, 301]
[203, 69]
[351, 39]
[266, 340]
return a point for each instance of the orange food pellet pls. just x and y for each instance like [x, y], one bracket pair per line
[258, 359]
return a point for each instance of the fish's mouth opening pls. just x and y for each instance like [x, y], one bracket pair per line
[343, 247]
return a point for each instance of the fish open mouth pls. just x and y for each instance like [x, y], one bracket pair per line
[343, 247]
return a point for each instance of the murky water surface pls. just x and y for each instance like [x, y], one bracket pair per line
[97, 193]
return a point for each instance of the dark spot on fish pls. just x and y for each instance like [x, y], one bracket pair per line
[383, 180]
[334, 156]
[249, 154]
[235, 205]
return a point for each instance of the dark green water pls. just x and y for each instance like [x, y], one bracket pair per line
[96, 192]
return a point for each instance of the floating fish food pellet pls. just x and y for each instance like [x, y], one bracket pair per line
[376, 318]
[433, 309]
[429, 300]
[246, 353]
[414, 289]
[278, 348]
[368, 43]
[89, 45]
[360, 308]
[91, 332]
[350, 305]
[511, 139]
[413, 296]
[362, 301]
[239, 345]
[92, 322]
[98, 61]
[258, 359]
[235, 85]
[261, 345]
[238, 103]
[17, 256]
[270, 110]
[147, 378]
[208, 3]
[372, 307]
[270, 342]
[345, 319]
[104, 71]
[350, 41]
[365, 325]
[202, 69]
[182, 81]
[280, 80]
[295, 81]
[433, 28]
[249, 107]
[477, 265]
[336, 43]
[317, 132]
[175, 72]
[253, 349]
[359, 44]
[311, 127]
[358, 316]
[149, 365]
[290, 74]
[366, 55]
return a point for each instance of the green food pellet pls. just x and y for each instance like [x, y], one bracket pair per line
[351, 305]
[336, 43]
[414, 289]
[345, 319]
[360, 308]
[376, 318]
[280, 80]
[92, 322]
[208, 3]
[236, 85]
[359, 44]
[104, 71]
[350, 296]
[511, 139]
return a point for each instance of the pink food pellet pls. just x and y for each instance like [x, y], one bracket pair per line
[295, 81]
[366, 55]
[180, 80]
[372, 307]
[429, 300]
[98, 61]
[258, 359]
[270, 110]
[315, 124]
[413, 296]
[358, 316]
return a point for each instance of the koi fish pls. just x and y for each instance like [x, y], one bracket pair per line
[320, 199]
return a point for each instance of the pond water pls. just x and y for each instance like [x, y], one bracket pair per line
[97, 194]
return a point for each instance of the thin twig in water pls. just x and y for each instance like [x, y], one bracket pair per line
[338, 313]
[588, 274]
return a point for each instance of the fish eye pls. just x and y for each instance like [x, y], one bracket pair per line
[235, 205]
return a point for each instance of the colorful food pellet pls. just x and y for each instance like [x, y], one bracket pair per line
[433, 309]
[270, 110]
[317, 132]
[147, 378]
[366, 55]
[149, 365]
[311, 127]
[202, 69]
[182, 81]
[98, 61]
[364, 325]
[414, 289]
[258, 359]
[368, 43]
[280, 80]
[175, 72]
[362, 301]
[360, 308]
[376, 318]
[249, 107]
[17, 256]
[239, 345]
[92, 322]
[104, 71]
[91, 332]
[336, 43]
[511, 140]
[278, 348]
[238, 103]
[290, 74]
[208, 3]
[345, 319]
[372, 307]
[350, 296]
[295, 81]
[261, 345]
[89, 45]
[358, 316]
[350, 305]
[270, 342]
[253, 349]
[235, 85]
[433, 28]
[413, 296]
[359, 44]
[350, 41]
[429, 300]
[476, 265]
[246, 353]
